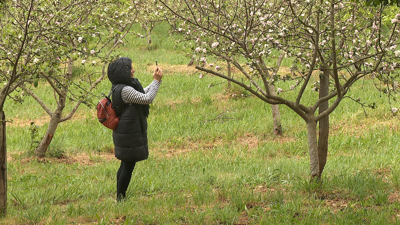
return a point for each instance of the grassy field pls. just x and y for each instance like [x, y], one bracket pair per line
[213, 158]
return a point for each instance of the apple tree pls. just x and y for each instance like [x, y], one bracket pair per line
[333, 42]
[43, 40]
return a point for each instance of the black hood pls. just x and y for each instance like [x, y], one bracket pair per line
[119, 71]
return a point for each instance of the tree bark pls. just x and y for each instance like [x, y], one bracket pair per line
[324, 122]
[275, 108]
[229, 74]
[51, 130]
[313, 148]
[55, 117]
[3, 166]
[276, 116]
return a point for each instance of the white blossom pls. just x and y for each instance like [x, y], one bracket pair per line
[214, 45]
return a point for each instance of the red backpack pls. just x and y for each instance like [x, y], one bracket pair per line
[106, 113]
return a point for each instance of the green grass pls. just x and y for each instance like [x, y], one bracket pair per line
[213, 158]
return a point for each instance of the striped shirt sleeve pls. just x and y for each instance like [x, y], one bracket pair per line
[130, 95]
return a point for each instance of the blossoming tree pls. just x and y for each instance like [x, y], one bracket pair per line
[41, 40]
[335, 42]
[86, 38]
[148, 13]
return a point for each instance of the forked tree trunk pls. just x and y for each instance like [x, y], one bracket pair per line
[313, 148]
[55, 118]
[3, 165]
[51, 130]
[324, 122]
[318, 146]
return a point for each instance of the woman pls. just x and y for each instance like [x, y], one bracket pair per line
[131, 104]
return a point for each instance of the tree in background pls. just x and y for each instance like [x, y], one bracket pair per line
[84, 36]
[382, 2]
[205, 27]
[334, 43]
[40, 40]
[148, 13]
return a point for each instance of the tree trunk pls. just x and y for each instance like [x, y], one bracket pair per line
[229, 74]
[276, 116]
[147, 32]
[323, 123]
[313, 148]
[275, 108]
[148, 38]
[3, 165]
[55, 117]
[45, 143]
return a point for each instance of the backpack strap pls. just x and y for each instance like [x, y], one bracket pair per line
[112, 90]
[118, 104]
[109, 94]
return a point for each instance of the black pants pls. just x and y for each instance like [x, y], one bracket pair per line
[124, 177]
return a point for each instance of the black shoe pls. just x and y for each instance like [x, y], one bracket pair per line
[120, 197]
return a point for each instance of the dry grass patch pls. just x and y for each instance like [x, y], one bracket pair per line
[174, 69]
[364, 126]
[80, 158]
[281, 139]
[394, 197]
[79, 115]
[336, 204]
[248, 140]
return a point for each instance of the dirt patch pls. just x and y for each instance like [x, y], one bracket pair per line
[283, 139]
[394, 197]
[358, 130]
[248, 140]
[18, 122]
[190, 70]
[173, 69]
[337, 204]
[81, 158]
[352, 130]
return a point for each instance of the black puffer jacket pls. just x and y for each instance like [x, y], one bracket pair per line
[130, 137]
